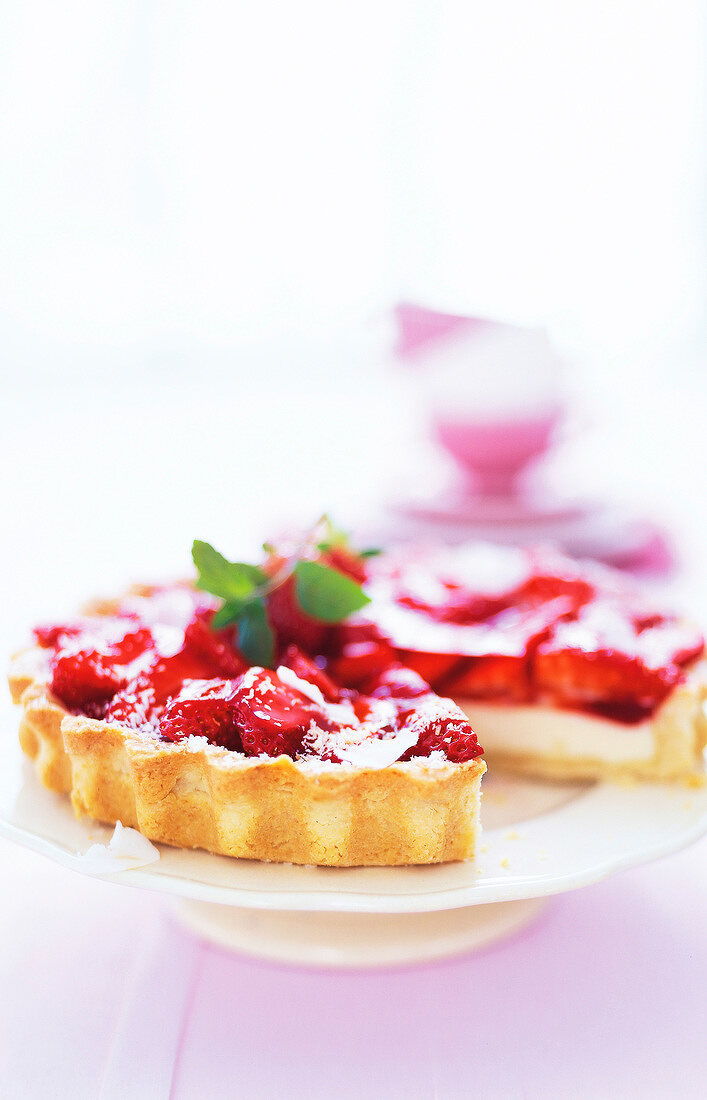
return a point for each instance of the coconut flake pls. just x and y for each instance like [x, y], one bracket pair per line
[127, 849]
[378, 752]
[294, 681]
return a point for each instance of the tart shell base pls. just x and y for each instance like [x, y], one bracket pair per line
[196, 795]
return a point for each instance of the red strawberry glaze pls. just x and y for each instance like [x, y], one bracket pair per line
[290, 622]
[272, 716]
[215, 647]
[358, 652]
[599, 660]
[176, 684]
[439, 728]
[307, 669]
[204, 708]
[515, 636]
[83, 675]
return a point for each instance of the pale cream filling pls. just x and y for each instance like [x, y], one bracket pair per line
[546, 731]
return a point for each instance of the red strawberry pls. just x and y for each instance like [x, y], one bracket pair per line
[454, 604]
[576, 677]
[493, 677]
[272, 717]
[396, 683]
[132, 644]
[346, 561]
[81, 676]
[355, 630]
[601, 659]
[545, 586]
[441, 726]
[290, 622]
[216, 647]
[506, 643]
[306, 669]
[203, 708]
[433, 668]
[358, 662]
[51, 634]
[167, 674]
[135, 707]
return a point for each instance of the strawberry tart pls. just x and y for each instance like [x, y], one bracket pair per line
[206, 717]
[564, 669]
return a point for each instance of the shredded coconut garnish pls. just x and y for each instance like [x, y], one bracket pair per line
[126, 850]
[310, 690]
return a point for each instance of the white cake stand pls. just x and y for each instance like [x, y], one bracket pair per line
[539, 839]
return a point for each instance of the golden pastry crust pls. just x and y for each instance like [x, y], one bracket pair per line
[192, 794]
[678, 728]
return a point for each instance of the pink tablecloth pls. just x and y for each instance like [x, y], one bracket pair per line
[105, 995]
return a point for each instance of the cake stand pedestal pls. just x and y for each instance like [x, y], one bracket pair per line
[352, 940]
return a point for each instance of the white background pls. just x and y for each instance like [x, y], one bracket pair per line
[184, 185]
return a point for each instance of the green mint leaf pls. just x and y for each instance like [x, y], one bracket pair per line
[229, 613]
[326, 594]
[256, 640]
[371, 552]
[231, 580]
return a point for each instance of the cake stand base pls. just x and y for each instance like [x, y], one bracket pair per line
[357, 939]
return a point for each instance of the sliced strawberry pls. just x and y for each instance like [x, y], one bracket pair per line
[450, 602]
[306, 668]
[81, 676]
[291, 624]
[358, 662]
[576, 678]
[355, 629]
[346, 561]
[398, 682]
[147, 694]
[433, 668]
[601, 659]
[441, 727]
[493, 677]
[215, 647]
[136, 707]
[501, 670]
[271, 716]
[545, 586]
[133, 644]
[51, 634]
[203, 708]
[123, 637]
[167, 673]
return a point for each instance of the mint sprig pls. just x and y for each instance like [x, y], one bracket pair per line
[242, 587]
[256, 639]
[231, 580]
[323, 593]
[326, 594]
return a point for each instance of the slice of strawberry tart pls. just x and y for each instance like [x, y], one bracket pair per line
[564, 669]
